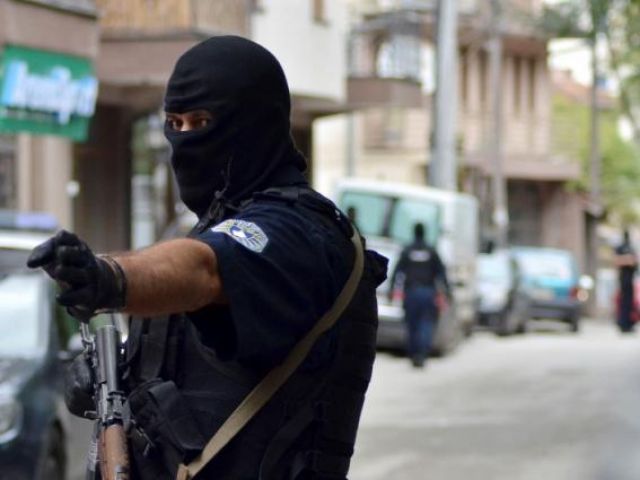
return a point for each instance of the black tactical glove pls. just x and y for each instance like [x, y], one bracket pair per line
[89, 283]
[78, 386]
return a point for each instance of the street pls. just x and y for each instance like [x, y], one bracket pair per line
[546, 405]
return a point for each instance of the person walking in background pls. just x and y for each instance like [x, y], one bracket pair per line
[627, 263]
[423, 271]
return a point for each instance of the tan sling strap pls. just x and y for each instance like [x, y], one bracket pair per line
[262, 392]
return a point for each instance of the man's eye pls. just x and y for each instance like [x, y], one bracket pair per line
[174, 124]
[202, 122]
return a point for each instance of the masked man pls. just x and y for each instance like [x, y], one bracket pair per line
[215, 312]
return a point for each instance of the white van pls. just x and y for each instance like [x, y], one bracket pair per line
[386, 214]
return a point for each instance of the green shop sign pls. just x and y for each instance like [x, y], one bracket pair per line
[46, 93]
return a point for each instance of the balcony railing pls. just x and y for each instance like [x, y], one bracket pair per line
[82, 7]
[162, 16]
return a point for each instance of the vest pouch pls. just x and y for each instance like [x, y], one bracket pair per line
[161, 415]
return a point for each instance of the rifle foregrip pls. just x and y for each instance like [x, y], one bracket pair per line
[113, 453]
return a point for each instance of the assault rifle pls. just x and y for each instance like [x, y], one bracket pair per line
[108, 457]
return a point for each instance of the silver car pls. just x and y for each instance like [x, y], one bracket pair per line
[502, 301]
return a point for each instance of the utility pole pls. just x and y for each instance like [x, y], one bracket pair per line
[500, 214]
[444, 165]
[595, 160]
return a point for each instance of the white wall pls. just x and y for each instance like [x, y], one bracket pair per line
[313, 55]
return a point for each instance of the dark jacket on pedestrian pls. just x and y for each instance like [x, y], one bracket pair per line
[420, 266]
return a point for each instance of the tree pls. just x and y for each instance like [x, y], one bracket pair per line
[617, 23]
[623, 41]
[620, 158]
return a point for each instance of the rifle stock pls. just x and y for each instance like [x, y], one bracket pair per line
[113, 454]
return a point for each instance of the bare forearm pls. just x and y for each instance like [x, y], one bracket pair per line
[169, 277]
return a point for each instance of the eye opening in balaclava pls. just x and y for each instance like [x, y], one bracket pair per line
[192, 120]
[249, 141]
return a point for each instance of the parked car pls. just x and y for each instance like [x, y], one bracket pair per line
[39, 439]
[386, 213]
[502, 304]
[552, 283]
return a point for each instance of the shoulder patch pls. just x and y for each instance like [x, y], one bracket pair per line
[247, 234]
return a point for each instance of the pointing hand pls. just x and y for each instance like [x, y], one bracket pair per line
[89, 283]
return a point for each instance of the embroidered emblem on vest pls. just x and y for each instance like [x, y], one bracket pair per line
[247, 234]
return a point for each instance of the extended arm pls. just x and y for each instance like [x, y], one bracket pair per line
[174, 276]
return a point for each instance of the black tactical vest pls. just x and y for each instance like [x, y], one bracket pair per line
[181, 393]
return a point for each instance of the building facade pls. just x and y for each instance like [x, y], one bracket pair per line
[390, 89]
[47, 100]
[79, 160]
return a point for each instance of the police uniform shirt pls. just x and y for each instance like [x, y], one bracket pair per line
[421, 266]
[281, 269]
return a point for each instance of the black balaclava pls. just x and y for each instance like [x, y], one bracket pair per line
[248, 145]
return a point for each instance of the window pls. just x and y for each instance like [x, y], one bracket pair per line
[407, 213]
[532, 84]
[517, 84]
[548, 264]
[483, 79]
[7, 171]
[400, 57]
[382, 215]
[495, 269]
[464, 78]
[368, 211]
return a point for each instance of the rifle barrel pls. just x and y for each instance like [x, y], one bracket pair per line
[108, 345]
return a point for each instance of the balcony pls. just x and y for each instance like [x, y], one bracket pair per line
[385, 65]
[158, 31]
[170, 17]
[365, 92]
[549, 168]
[79, 7]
